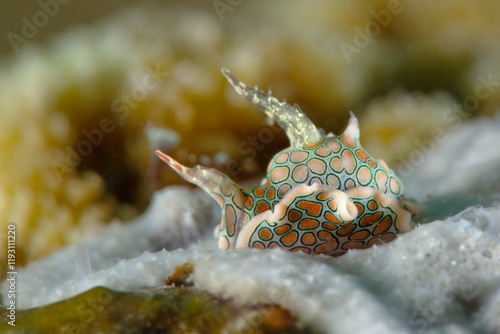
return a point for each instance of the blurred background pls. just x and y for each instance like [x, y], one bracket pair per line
[88, 90]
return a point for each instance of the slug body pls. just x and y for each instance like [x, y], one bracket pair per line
[323, 195]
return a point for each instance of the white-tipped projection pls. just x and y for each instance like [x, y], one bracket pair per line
[352, 129]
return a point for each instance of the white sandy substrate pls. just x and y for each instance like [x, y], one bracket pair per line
[443, 277]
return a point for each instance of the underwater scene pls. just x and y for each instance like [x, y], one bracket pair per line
[235, 166]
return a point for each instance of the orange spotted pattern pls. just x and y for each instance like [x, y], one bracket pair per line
[262, 206]
[313, 225]
[303, 203]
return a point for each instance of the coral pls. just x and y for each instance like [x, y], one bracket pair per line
[443, 277]
[323, 195]
[62, 190]
[389, 121]
[53, 93]
[180, 275]
[437, 174]
[415, 80]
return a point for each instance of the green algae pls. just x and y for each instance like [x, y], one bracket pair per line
[164, 310]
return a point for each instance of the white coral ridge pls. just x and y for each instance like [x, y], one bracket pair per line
[443, 277]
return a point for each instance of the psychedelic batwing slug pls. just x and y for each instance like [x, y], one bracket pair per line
[322, 195]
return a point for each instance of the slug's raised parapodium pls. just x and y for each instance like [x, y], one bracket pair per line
[322, 195]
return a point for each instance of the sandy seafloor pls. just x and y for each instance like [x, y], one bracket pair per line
[443, 277]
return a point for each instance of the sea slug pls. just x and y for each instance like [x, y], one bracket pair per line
[322, 195]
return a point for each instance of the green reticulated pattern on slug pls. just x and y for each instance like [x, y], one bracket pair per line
[323, 195]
